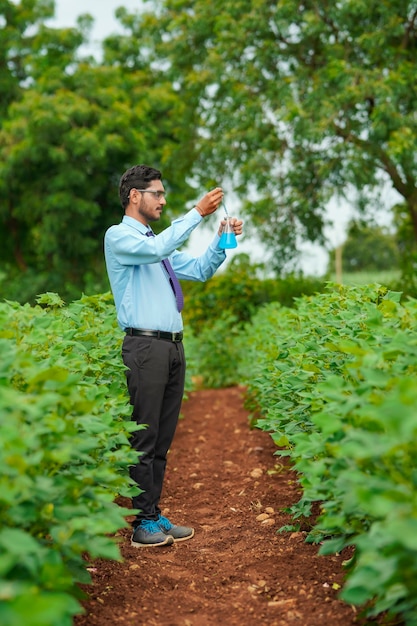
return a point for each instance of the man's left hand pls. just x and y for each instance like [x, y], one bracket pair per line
[235, 223]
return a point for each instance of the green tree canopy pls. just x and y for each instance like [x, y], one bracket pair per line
[299, 101]
[66, 137]
[29, 49]
[292, 103]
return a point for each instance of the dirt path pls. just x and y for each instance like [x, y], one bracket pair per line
[237, 570]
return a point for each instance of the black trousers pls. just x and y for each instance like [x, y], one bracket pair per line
[155, 379]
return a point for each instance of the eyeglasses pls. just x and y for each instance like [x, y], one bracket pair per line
[158, 194]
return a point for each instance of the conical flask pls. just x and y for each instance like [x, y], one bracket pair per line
[228, 237]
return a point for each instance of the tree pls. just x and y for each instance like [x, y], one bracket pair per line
[300, 101]
[74, 127]
[28, 48]
[62, 155]
[368, 247]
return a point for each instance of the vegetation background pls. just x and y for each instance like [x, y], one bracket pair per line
[291, 105]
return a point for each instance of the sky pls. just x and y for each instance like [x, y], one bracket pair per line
[314, 258]
[67, 11]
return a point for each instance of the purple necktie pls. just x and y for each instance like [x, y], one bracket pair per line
[176, 287]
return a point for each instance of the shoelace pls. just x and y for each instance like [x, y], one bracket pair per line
[150, 526]
[164, 522]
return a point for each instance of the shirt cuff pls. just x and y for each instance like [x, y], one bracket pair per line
[196, 211]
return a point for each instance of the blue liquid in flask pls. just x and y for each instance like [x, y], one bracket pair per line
[227, 240]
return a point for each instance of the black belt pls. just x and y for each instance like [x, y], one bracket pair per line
[157, 334]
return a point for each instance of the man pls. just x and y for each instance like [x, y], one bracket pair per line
[148, 302]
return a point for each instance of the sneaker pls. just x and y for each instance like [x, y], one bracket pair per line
[179, 533]
[148, 534]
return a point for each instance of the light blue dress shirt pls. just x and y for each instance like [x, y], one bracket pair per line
[142, 293]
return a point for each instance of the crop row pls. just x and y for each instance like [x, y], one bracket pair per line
[334, 382]
[64, 454]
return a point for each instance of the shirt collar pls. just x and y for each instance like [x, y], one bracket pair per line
[130, 221]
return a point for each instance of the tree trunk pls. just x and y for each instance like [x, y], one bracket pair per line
[412, 207]
[338, 264]
[17, 249]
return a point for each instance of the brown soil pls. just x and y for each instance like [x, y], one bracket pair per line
[222, 478]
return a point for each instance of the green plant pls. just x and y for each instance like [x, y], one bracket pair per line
[213, 355]
[64, 453]
[334, 383]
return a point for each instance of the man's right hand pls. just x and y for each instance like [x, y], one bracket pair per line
[210, 202]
